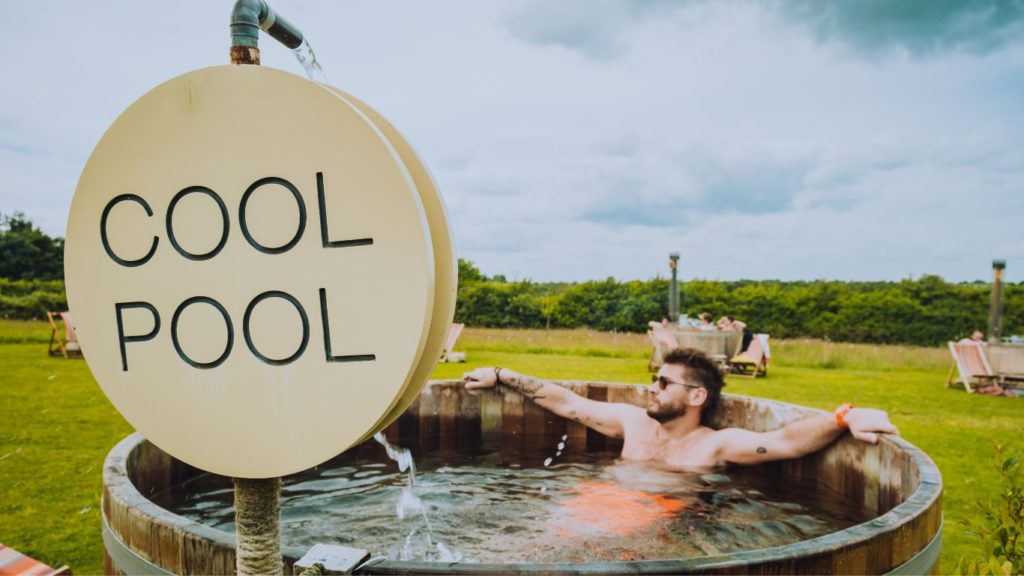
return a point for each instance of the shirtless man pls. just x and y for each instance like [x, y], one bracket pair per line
[669, 430]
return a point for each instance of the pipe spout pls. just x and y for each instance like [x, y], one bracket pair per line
[248, 17]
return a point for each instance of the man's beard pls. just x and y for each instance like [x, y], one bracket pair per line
[666, 413]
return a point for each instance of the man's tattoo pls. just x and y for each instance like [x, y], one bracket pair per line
[762, 450]
[526, 386]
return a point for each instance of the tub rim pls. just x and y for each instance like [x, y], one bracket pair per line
[928, 491]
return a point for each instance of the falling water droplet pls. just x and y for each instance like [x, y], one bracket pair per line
[547, 462]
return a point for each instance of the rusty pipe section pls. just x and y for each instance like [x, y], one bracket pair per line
[248, 17]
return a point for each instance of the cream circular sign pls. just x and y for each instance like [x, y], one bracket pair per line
[251, 271]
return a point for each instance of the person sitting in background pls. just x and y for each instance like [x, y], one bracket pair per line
[729, 323]
[682, 396]
[976, 336]
[705, 322]
[665, 324]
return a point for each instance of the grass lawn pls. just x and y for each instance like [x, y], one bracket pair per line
[58, 426]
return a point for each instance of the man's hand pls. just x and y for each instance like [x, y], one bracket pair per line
[481, 378]
[865, 424]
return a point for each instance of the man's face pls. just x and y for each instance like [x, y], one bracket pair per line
[670, 394]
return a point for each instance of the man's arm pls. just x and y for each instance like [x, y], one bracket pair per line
[800, 438]
[608, 418]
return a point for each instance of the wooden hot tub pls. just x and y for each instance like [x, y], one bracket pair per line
[895, 481]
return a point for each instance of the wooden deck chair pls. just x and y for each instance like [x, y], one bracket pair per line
[14, 563]
[453, 335]
[63, 342]
[753, 361]
[972, 366]
[663, 342]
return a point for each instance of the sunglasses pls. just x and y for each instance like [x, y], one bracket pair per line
[663, 383]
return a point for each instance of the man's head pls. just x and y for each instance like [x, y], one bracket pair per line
[977, 336]
[688, 379]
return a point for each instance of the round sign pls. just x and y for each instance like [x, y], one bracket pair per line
[250, 269]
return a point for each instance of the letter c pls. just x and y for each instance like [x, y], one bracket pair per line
[103, 231]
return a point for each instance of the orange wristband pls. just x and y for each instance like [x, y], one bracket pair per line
[841, 413]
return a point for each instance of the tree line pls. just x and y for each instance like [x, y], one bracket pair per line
[927, 311]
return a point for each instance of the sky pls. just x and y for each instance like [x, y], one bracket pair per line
[585, 139]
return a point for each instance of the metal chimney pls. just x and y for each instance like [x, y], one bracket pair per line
[995, 317]
[673, 290]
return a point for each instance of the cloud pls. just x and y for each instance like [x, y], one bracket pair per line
[665, 188]
[595, 28]
[921, 27]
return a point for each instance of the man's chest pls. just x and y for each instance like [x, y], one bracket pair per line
[681, 453]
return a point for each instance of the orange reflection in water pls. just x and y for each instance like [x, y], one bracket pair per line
[613, 509]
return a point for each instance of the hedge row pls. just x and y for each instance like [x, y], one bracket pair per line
[31, 299]
[925, 312]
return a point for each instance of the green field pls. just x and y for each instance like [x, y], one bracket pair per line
[57, 426]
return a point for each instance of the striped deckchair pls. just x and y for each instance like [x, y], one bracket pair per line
[971, 364]
[14, 563]
[753, 361]
[65, 344]
[453, 335]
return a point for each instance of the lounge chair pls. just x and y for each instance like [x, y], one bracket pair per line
[753, 361]
[63, 342]
[453, 335]
[664, 342]
[971, 364]
[14, 563]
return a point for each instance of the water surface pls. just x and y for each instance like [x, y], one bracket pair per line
[530, 502]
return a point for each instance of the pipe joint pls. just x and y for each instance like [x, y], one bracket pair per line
[248, 17]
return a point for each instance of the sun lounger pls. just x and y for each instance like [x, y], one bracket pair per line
[63, 342]
[971, 365]
[14, 563]
[453, 335]
[753, 361]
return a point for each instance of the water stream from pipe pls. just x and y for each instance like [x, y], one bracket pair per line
[410, 503]
[307, 58]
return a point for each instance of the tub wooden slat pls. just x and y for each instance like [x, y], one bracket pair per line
[448, 415]
[469, 420]
[491, 418]
[511, 416]
[576, 432]
[595, 441]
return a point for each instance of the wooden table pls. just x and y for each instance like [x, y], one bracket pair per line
[714, 342]
[1007, 361]
[719, 344]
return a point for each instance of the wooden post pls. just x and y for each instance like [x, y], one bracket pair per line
[258, 526]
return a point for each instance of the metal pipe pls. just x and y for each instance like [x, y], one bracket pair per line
[248, 17]
[995, 317]
[673, 294]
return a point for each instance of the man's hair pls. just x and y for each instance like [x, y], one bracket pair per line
[702, 370]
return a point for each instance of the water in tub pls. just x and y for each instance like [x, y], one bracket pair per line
[528, 501]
